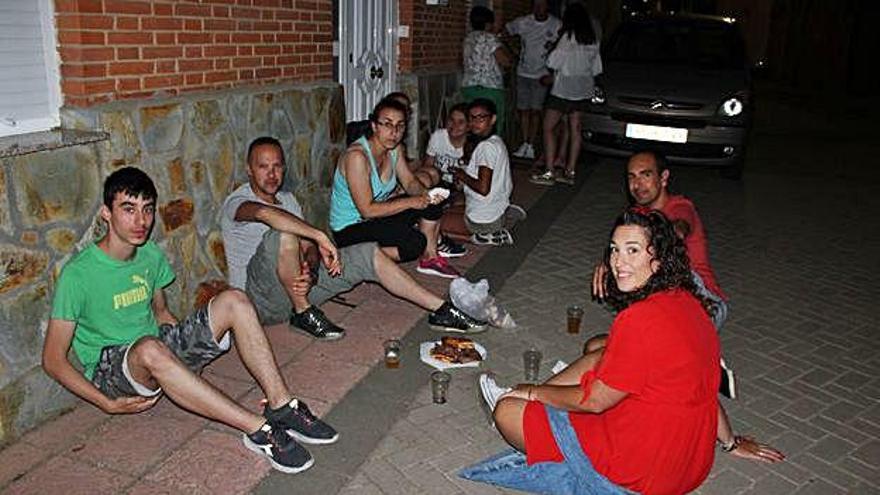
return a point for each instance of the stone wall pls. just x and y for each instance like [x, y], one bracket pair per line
[193, 147]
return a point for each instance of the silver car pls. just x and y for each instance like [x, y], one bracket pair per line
[677, 84]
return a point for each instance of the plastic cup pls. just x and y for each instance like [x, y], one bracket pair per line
[439, 386]
[532, 365]
[392, 353]
[575, 315]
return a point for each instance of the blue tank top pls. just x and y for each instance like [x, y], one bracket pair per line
[343, 211]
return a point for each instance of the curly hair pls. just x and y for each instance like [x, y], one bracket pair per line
[665, 247]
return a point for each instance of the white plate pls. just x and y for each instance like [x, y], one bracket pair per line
[656, 133]
[425, 355]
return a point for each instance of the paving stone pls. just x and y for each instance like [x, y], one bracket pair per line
[727, 482]
[819, 487]
[841, 430]
[831, 448]
[67, 429]
[225, 466]
[18, 459]
[820, 469]
[388, 479]
[771, 484]
[859, 469]
[869, 453]
[132, 444]
[64, 475]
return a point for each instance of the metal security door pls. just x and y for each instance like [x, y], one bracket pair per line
[367, 53]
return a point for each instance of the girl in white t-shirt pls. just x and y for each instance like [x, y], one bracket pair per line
[486, 182]
[445, 149]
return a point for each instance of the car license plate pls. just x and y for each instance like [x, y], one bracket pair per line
[656, 133]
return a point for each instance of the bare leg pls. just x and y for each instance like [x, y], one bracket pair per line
[152, 364]
[524, 126]
[399, 283]
[534, 125]
[232, 310]
[508, 416]
[452, 223]
[391, 252]
[572, 374]
[431, 230]
[509, 412]
[427, 176]
[550, 120]
[289, 267]
[595, 343]
[574, 149]
[562, 143]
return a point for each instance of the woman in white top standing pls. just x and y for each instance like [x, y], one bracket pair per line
[484, 58]
[575, 61]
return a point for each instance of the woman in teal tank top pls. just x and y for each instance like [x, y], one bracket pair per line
[363, 207]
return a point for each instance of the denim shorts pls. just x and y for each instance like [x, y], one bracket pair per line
[191, 340]
[530, 93]
[574, 476]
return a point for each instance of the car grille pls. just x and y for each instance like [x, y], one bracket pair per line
[643, 102]
[688, 150]
[661, 120]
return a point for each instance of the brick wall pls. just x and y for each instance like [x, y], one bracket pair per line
[436, 34]
[122, 49]
[437, 31]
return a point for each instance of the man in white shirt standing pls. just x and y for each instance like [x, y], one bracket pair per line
[537, 31]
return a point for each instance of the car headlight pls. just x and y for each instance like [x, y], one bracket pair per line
[598, 96]
[732, 107]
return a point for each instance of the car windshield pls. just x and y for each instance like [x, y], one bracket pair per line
[698, 44]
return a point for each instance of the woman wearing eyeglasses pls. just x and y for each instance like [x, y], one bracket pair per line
[363, 207]
[486, 181]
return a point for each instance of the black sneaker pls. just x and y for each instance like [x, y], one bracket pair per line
[448, 318]
[314, 322]
[449, 248]
[727, 387]
[299, 422]
[282, 451]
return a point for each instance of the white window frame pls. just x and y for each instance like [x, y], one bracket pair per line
[9, 127]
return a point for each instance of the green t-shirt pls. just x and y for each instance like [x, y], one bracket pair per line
[109, 300]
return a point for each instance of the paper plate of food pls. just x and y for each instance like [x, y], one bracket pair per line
[452, 352]
[438, 195]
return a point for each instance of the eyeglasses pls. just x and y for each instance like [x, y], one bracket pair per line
[392, 127]
[481, 117]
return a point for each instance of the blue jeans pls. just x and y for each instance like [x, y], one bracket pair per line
[722, 308]
[574, 476]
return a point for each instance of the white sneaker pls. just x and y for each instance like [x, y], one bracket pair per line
[522, 150]
[529, 153]
[491, 391]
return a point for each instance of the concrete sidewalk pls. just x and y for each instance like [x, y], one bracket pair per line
[796, 254]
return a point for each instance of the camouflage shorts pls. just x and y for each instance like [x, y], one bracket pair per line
[191, 340]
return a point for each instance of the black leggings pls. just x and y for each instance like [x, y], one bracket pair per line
[395, 231]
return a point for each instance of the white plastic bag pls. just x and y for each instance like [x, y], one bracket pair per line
[475, 300]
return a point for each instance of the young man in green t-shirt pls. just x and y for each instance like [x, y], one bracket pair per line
[110, 305]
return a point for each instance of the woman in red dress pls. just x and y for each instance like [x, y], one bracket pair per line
[645, 408]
